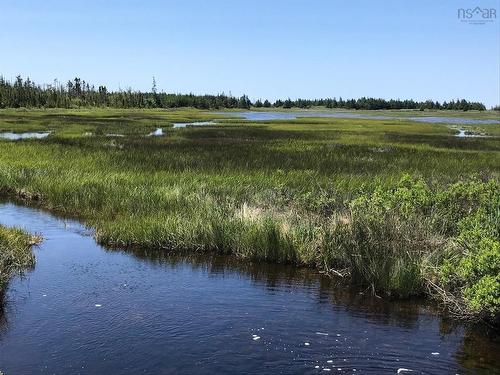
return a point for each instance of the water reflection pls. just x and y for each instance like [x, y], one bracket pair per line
[17, 136]
[143, 310]
[292, 115]
[330, 291]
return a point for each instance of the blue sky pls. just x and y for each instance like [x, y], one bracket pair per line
[266, 49]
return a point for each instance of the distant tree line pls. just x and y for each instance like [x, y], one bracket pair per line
[378, 103]
[79, 93]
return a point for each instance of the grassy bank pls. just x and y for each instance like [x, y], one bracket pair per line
[15, 254]
[403, 207]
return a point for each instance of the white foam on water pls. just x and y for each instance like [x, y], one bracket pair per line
[401, 370]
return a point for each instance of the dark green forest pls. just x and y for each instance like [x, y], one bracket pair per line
[79, 93]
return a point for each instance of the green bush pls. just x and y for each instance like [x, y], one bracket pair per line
[402, 236]
[472, 271]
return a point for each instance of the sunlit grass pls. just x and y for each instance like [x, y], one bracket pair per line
[15, 254]
[266, 190]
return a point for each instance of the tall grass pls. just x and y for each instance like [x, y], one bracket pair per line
[15, 254]
[324, 193]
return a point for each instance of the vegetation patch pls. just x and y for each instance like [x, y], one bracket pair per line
[15, 254]
[403, 208]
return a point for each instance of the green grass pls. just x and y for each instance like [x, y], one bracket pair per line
[15, 254]
[276, 191]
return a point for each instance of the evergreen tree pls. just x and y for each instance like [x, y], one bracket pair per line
[79, 93]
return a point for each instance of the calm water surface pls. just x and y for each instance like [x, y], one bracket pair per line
[271, 115]
[30, 135]
[88, 310]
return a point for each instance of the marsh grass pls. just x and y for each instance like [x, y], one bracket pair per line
[278, 191]
[15, 254]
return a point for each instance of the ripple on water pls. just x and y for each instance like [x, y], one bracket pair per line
[150, 311]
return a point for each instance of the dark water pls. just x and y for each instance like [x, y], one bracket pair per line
[272, 115]
[88, 310]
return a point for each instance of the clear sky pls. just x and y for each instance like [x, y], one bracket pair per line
[266, 49]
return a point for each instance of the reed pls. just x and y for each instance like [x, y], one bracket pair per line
[15, 254]
[381, 201]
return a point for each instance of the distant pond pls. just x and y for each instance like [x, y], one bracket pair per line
[272, 115]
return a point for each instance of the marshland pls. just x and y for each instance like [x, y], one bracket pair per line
[193, 187]
[398, 209]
